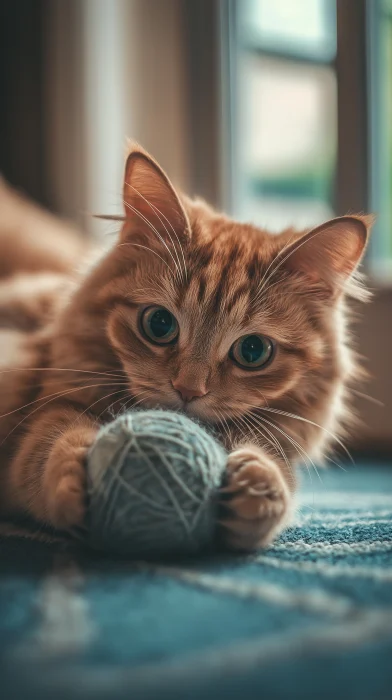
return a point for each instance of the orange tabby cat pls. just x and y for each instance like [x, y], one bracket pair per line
[188, 311]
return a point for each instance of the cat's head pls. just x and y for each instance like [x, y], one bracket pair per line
[213, 317]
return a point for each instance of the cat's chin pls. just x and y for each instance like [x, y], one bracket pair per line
[199, 412]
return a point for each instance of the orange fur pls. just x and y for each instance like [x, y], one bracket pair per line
[76, 353]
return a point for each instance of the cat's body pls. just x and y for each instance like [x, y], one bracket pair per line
[174, 315]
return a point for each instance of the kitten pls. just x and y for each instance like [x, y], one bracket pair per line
[188, 311]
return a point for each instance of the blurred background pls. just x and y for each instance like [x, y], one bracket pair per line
[279, 111]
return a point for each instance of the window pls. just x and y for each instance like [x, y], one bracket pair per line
[285, 122]
[380, 103]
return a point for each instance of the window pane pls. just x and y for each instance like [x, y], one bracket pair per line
[387, 86]
[387, 6]
[306, 27]
[381, 141]
[286, 141]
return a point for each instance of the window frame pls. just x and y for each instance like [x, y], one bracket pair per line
[379, 255]
[352, 191]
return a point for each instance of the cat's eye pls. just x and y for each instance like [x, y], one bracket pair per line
[252, 351]
[158, 325]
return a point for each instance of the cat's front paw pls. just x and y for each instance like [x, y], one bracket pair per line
[256, 500]
[65, 482]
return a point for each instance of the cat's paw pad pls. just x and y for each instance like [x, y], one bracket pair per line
[256, 500]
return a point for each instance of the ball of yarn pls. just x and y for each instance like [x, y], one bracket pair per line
[153, 479]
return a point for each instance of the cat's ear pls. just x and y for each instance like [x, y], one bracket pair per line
[328, 255]
[150, 200]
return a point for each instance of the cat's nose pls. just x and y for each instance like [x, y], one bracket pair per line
[189, 392]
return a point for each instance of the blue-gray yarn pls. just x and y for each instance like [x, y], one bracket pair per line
[153, 481]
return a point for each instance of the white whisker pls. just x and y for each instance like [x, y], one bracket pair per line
[63, 369]
[138, 245]
[154, 230]
[377, 402]
[301, 450]
[278, 446]
[310, 422]
[54, 398]
[159, 214]
[47, 396]
[101, 398]
[224, 425]
[277, 256]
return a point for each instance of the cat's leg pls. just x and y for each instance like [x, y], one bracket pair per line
[257, 499]
[47, 478]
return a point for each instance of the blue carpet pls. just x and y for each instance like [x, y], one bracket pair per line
[309, 618]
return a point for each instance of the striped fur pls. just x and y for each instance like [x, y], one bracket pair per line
[221, 280]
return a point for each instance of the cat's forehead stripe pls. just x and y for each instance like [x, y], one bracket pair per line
[237, 296]
[253, 269]
[223, 278]
[222, 287]
[216, 290]
[202, 288]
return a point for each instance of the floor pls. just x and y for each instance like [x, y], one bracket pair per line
[311, 617]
